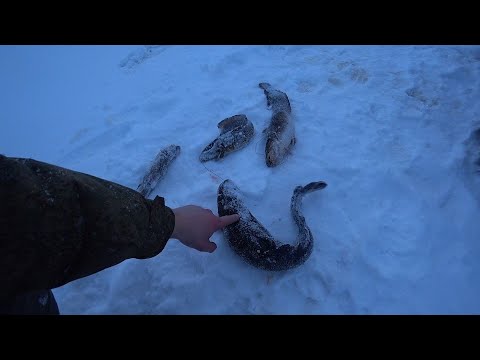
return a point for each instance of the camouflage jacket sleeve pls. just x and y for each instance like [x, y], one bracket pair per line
[58, 225]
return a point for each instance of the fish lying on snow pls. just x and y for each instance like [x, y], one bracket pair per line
[158, 169]
[280, 133]
[252, 241]
[235, 133]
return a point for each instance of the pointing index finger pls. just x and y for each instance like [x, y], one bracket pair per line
[227, 220]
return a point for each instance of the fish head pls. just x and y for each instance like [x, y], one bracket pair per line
[228, 187]
[214, 150]
[229, 198]
[174, 150]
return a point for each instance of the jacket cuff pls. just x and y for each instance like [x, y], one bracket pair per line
[162, 224]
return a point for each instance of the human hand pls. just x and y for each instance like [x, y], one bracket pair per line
[195, 225]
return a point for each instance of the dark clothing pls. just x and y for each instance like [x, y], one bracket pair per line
[59, 225]
[40, 302]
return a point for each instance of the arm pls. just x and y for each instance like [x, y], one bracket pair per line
[58, 225]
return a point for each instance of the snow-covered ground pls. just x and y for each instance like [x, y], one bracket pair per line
[389, 128]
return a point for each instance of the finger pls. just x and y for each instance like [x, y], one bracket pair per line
[227, 220]
[208, 246]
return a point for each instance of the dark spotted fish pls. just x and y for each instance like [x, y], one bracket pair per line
[252, 241]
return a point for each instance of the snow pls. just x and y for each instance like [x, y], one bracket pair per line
[388, 128]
